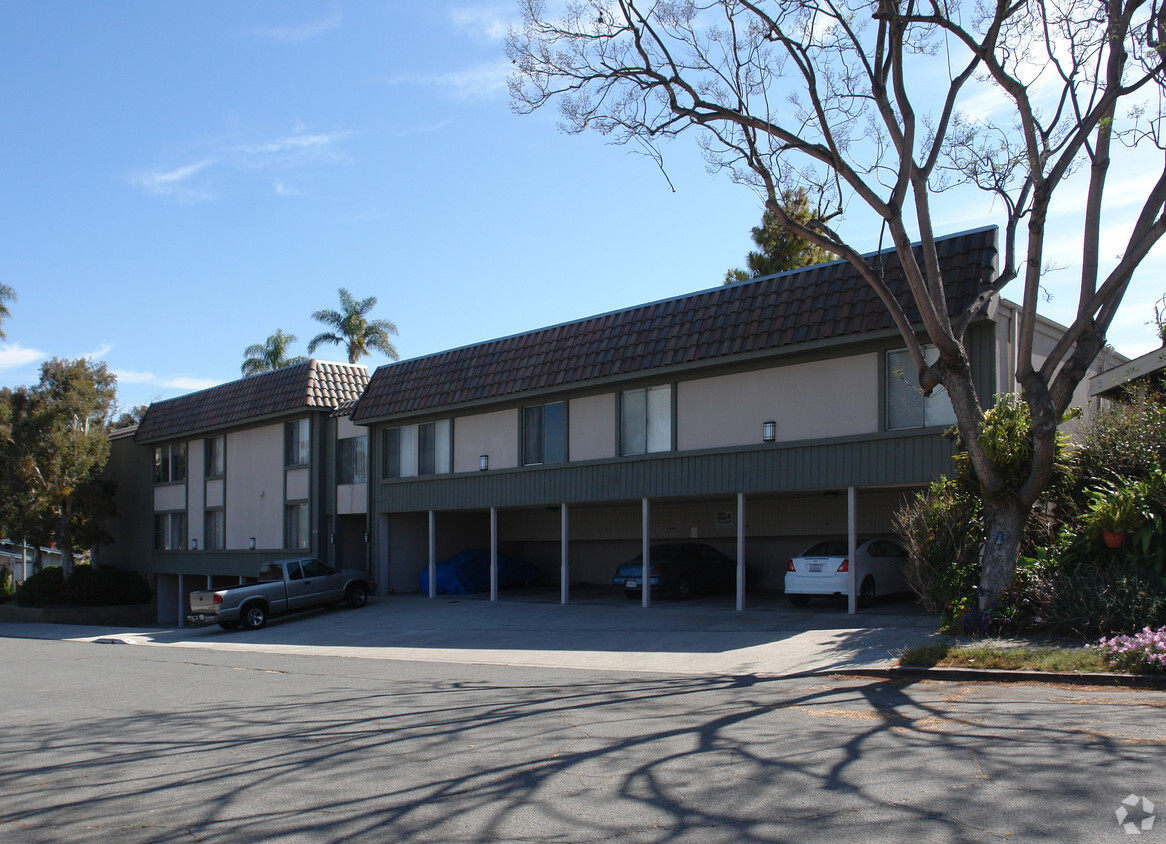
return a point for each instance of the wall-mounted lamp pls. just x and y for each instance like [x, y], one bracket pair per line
[193, 544]
[768, 431]
[484, 462]
[252, 543]
[331, 539]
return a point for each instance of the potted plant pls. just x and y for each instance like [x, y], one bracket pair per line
[1113, 513]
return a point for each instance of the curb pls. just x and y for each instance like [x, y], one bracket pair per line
[996, 675]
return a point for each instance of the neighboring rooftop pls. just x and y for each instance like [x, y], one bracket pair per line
[314, 384]
[812, 304]
[1148, 367]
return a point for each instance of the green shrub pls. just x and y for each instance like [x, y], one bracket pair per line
[45, 587]
[1123, 442]
[5, 585]
[88, 587]
[941, 532]
[1097, 592]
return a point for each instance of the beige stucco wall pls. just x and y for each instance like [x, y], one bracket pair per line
[196, 509]
[495, 434]
[298, 484]
[827, 398]
[169, 497]
[591, 425]
[255, 487]
[345, 428]
[351, 498]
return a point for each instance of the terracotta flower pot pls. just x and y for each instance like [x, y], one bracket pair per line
[1113, 539]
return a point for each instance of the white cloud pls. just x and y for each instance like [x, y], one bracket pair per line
[297, 33]
[99, 353]
[485, 80]
[184, 382]
[13, 355]
[130, 376]
[486, 23]
[176, 182]
[290, 151]
[422, 130]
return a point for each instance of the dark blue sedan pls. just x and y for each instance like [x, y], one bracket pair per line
[679, 569]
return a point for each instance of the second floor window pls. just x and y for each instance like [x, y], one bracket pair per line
[413, 450]
[169, 531]
[170, 463]
[543, 434]
[907, 407]
[352, 460]
[213, 538]
[296, 444]
[216, 462]
[296, 526]
[646, 420]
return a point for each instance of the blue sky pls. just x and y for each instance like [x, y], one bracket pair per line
[182, 179]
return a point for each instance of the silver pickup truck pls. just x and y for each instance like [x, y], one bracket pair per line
[284, 586]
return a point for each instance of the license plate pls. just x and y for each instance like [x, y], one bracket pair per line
[632, 584]
[815, 567]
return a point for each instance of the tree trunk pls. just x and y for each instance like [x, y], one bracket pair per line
[65, 540]
[1003, 531]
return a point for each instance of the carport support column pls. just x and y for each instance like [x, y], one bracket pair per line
[852, 547]
[493, 553]
[181, 600]
[740, 551]
[432, 554]
[646, 541]
[564, 568]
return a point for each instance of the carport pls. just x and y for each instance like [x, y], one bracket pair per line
[580, 543]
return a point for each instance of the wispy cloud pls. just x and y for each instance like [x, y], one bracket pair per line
[176, 182]
[483, 81]
[130, 376]
[13, 355]
[297, 33]
[488, 22]
[98, 353]
[184, 382]
[422, 130]
[192, 182]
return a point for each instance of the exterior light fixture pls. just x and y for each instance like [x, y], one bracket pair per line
[252, 543]
[484, 462]
[768, 431]
[193, 544]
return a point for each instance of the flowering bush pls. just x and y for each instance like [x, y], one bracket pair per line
[1144, 653]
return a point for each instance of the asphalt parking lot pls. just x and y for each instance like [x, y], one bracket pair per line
[598, 629]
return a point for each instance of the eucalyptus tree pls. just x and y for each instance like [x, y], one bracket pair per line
[883, 103]
[351, 328]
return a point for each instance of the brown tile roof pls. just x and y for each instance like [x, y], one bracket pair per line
[310, 385]
[816, 303]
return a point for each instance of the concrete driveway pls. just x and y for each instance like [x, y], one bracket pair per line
[603, 631]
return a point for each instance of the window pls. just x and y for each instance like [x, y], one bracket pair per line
[170, 463]
[352, 460]
[646, 420]
[215, 457]
[907, 407]
[543, 434]
[296, 443]
[314, 568]
[391, 456]
[296, 532]
[417, 450]
[169, 531]
[293, 571]
[213, 530]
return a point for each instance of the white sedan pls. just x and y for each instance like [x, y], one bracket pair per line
[824, 569]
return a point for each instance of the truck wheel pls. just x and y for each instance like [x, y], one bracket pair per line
[254, 616]
[356, 596]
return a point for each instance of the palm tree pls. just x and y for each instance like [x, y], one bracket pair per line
[352, 330]
[7, 294]
[264, 357]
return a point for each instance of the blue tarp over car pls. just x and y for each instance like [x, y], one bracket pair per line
[469, 571]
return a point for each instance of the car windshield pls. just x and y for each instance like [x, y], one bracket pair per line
[830, 548]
